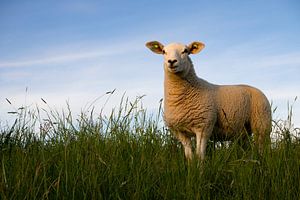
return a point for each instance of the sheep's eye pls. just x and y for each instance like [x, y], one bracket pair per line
[163, 51]
[185, 51]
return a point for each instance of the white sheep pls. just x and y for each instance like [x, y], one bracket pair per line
[195, 107]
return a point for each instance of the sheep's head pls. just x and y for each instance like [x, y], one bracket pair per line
[176, 56]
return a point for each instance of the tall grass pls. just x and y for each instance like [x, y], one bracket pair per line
[128, 154]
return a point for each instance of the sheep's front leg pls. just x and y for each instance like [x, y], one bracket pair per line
[201, 140]
[186, 142]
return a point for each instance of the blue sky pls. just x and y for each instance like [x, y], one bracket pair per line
[76, 51]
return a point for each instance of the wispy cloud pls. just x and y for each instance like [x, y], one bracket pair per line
[53, 59]
[253, 56]
[70, 55]
[286, 59]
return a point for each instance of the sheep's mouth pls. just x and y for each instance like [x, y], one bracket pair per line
[173, 67]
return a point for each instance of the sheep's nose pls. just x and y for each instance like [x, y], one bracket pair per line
[172, 61]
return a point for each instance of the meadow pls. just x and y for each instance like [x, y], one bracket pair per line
[129, 154]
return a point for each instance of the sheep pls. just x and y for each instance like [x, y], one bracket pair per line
[195, 107]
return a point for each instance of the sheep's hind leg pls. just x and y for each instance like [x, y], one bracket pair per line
[186, 142]
[261, 130]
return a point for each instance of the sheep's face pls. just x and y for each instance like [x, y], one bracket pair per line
[176, 56]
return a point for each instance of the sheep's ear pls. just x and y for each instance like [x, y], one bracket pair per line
[195, 47]
[155, 46]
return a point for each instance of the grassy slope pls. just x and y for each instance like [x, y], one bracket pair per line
[128, 156]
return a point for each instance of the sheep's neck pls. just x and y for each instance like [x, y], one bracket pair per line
[175, 84]
[178, 84]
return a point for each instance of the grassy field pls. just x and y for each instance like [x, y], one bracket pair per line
[130, 155]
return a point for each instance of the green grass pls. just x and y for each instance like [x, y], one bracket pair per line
[130, 155]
